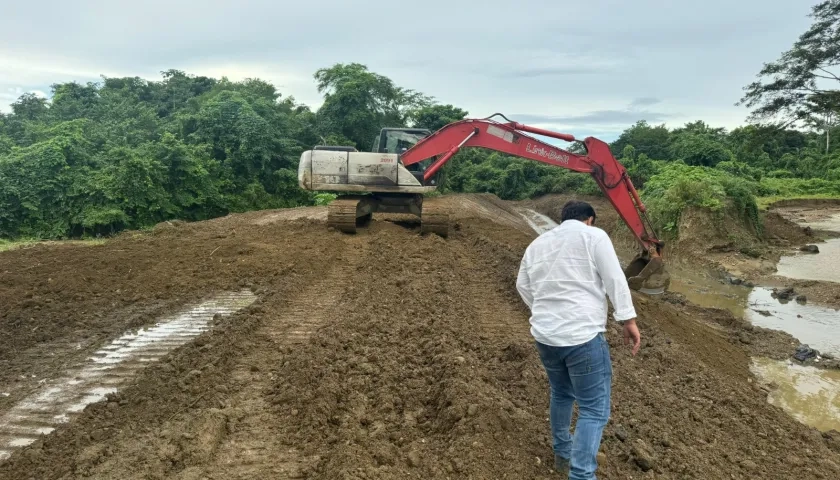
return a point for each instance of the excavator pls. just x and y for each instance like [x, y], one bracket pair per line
[404, 164]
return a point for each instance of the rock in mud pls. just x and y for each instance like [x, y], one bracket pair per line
[810, 249]
[414, 458]
[744, 338]
[804, 353]
[784, 293]
[642, 455]
[801, 298]
[621, 433]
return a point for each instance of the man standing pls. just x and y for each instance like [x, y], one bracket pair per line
[564, 278]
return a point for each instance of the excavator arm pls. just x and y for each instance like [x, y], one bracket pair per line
[646, 272]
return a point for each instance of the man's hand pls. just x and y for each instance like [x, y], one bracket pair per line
[632, 335]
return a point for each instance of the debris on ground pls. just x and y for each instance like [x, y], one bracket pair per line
[804, 353]
[787, 293]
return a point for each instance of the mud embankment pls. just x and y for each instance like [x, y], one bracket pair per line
[385, 355]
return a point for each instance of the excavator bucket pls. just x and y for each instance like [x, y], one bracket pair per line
[647, 274]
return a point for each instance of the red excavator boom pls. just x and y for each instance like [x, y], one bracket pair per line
[510, 138]
[608, 173]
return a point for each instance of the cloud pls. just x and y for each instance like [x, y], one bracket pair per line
[645, 102]
[478, 59]
[596, 117]
[555, 71]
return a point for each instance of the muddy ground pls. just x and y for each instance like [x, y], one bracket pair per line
[384, 354]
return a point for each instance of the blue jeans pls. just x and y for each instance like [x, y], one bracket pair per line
[583, 373]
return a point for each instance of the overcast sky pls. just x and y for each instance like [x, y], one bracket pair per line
[586, 67]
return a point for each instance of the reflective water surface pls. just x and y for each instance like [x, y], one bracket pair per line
[809, 394]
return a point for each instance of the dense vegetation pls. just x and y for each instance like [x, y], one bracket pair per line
[128, 152]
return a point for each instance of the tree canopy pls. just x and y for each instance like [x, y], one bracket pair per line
[802, 84]
[128, 152]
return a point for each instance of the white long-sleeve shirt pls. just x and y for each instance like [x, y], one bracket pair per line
[565, 277]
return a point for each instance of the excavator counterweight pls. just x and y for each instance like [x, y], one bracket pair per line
[405, 164]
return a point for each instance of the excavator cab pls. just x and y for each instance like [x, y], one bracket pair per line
[399, 140]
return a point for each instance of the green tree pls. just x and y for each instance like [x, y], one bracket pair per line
[695, 149]
[71, 101]
[652, 141]
[786, 87]
[358, 103]
[137, 184]
[435, 117]
[30, 107]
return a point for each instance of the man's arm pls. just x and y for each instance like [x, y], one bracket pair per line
[614, 280]
[523, 282]
[617, 289]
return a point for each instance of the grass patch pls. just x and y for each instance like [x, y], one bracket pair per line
[6, 245]
[765, 202]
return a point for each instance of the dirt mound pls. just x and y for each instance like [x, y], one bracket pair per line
[383, 354]
[428, 381]
[484, 206]
[781, 231]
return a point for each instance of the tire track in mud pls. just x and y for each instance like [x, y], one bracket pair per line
[496, 316]
[105, 370]
[257, 448]
[499, 312]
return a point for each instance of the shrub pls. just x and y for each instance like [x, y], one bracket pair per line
[679, 186]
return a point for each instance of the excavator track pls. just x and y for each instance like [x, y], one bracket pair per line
[342, 214]
[434, 220]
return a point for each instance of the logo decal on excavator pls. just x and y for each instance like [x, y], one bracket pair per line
[546, 153]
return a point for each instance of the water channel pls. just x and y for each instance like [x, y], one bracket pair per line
[809, 394]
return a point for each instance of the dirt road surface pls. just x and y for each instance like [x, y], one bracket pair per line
[379, 355]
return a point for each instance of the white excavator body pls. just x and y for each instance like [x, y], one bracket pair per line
[359, 172]
[368, 182]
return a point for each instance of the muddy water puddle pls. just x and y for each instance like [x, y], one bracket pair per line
[815, 325]
[709, 292]
[810, 395]
[813, 266]
[59, 399]
[824, 265]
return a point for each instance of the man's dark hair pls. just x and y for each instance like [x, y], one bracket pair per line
[576, 210]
